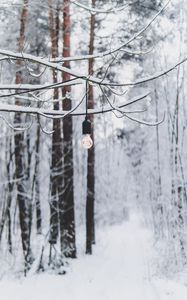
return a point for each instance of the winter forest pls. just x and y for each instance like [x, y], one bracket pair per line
[93, 178]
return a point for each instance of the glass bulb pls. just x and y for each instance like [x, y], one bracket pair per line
[87, 142]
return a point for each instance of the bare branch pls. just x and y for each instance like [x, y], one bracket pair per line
[14, 127]
[145, 122]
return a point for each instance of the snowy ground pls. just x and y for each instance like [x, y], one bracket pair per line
[119, 269]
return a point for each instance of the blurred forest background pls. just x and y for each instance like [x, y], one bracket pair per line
[54, 193]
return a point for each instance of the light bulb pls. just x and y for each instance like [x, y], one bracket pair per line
[87, 142]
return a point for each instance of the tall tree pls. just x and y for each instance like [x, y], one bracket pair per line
[90, 224]
[56, 162]
[67, 214]
[22, 193]
[36, 181]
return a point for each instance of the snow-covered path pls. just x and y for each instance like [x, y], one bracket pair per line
[119, 269]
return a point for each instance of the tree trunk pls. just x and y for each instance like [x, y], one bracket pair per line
[56, 164]
[22, 198]
[36, 182]
[6, 216]
[179, 197]
[67, 214]
[90, 224]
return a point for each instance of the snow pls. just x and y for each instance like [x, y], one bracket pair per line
[120, 268]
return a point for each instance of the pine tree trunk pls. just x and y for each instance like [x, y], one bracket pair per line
[36, 182]
[178, 184]
[67, 214]
[22, 198]
[90, 223]
[10, 190]
[56, 164]
[6, 216]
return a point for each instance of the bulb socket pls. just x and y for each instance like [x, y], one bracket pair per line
[86, 127]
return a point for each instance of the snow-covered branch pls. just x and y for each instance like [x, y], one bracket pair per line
[116, 49]
[36, 87]
[50, 113]
[98, 10]
[91, 79]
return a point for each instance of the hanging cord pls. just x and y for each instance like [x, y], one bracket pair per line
[86, 117]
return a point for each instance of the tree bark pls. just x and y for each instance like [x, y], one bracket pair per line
[22, 198]
[67, 214]
[90, 223]
[6, 215]
[56, 164]
[36, 182]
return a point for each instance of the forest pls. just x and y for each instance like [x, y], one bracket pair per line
[93, 178]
